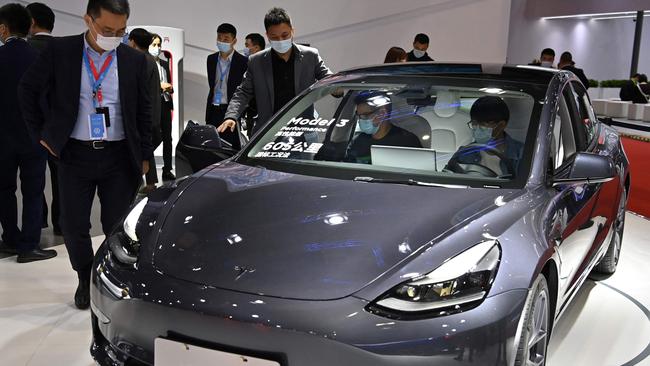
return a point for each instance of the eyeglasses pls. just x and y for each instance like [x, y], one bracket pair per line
[105, 33]
[476, 124]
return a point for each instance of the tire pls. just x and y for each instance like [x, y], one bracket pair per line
[608, 263]
[533, 345]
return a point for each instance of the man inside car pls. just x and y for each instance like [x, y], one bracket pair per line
[373, 111]
[494, 153]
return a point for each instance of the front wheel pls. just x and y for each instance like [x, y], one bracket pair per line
[537, 324]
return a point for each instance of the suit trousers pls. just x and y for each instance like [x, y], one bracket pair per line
[84, 172]
[54, 205]
[31, 162]
[217, 114]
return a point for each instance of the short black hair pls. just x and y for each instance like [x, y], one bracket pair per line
[375, 99]
[141, 37]
[276, 16]
[227, 28]
[257, 39]
[489, 108]
[16, 18]
[548, 51]
[42, 15]
[643, 78]
[566, 57]
[119, 7]
[421, 38]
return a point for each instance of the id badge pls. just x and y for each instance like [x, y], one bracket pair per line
[217, 98]
[97, 126]
[104, 111]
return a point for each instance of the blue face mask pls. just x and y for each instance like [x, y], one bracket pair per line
[282, 46]
[367, 126]
[224, 47]
[482, 134]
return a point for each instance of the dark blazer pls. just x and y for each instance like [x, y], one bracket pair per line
[166, 69]
[258, 81]
[153, 78]
[630, 92]
[15, 58]
[235, 77]
[39, 42]
[57, 73]
[579, 73]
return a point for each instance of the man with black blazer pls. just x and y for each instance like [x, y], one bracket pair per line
[226, 70]
[18, 151]
[40, 35]
[275, 75]
[98, 124]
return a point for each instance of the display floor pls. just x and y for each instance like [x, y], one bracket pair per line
[607, 324]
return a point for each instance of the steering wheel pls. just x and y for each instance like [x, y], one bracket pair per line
[474, 168]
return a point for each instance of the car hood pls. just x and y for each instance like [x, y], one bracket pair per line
[265, 232]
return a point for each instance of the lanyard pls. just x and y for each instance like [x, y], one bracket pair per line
[222, 73]
[96, 78]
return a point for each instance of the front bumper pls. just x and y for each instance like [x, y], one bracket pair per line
[130, 313]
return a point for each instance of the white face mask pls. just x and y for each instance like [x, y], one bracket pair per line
[107, 43]
[154, 51]
[418, 53]
[224, 47]
[282, 46]
[547, 64]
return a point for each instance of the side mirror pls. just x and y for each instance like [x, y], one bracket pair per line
[589, 168]
[202, 137]
[199, 147]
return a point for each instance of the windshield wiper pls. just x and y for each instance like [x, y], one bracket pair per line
[410, 182]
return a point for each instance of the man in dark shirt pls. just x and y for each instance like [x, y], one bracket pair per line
[566, 63]
[631, 92]
[275, 75]
[420, 47]
[374, 118]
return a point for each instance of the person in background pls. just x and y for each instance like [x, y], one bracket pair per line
[631, 91]
[166, 105]
[18, 150]
[254, 43]
[546, 58]
[395, 54]
[275, 75]
[226, 70]
[100, 131]
[140, 39]
[420, 47]
[566, 63]
[643, 84]
[40, 34]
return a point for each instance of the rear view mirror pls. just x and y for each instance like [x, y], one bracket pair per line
[199, 147]
[589, 168]
[202, 137]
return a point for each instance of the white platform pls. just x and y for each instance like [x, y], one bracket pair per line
[39, 324]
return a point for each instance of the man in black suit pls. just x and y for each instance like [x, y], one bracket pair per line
[420, 47]
[226, 70]
[98, 124]
[631, 91]
[566, 63]
[17, 149]
[40, 35]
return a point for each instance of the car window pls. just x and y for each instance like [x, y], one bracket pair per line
[408, 126]
[587, 121]
[564, 141]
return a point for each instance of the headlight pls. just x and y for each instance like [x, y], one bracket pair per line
[124, 243]
[459, 284]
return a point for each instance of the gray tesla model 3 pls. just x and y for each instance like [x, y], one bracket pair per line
[413, 214]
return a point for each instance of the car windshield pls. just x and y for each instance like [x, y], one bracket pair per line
[449, 130]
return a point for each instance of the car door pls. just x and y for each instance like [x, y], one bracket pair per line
[574, 228]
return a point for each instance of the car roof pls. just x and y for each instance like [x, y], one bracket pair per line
[524, 73]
